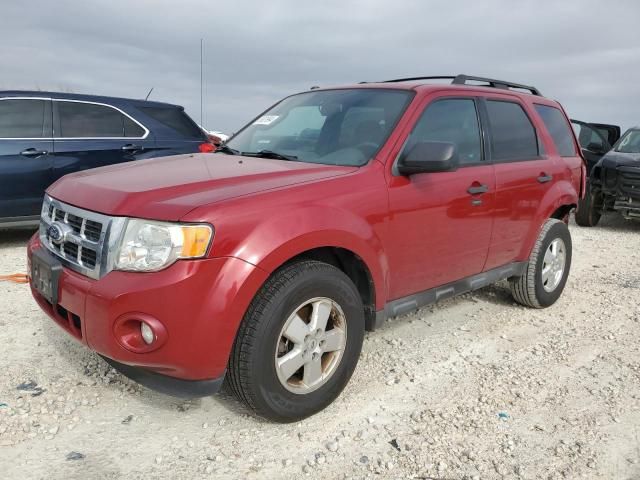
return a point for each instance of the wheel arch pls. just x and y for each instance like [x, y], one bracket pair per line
[352, 256]
[557, 203]
[352, 265]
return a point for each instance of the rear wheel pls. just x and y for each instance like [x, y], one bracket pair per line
[548, 268]
[299, 342]
[589, 209]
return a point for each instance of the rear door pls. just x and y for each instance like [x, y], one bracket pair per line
[524, 174]
[440, 223]
[89, 135]
[25, 163]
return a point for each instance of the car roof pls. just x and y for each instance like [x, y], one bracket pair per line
[85, 98]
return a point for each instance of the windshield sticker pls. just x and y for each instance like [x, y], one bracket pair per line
[266, 120]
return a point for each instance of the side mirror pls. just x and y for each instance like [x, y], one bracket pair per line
[429, 157]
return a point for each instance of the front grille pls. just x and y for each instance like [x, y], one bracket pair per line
[629, 181]
[85, 232]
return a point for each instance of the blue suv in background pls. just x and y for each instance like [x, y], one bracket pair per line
[44, 136]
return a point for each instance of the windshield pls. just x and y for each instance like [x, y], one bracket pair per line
[629, 143]
[334, 127]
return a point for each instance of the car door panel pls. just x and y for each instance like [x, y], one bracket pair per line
[524, 174]
[25, 163]
[441, 222]
[519, 192]
[82, 154]
[24, 178]
[441, 232]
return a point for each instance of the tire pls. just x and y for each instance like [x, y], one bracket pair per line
[261, 343]
[531, 289]
[589, 209]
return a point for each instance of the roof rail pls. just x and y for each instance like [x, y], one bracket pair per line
[463, 79]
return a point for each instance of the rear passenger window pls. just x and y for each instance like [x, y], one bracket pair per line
[22, 119]
[176, 119]
[452, 121]
[88, 120]
[559, 129]
[512, 134]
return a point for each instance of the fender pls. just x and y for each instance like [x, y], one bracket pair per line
[267, 229]
[316, 227]
[561, 194]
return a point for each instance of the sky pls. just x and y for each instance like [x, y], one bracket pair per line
[584, 53]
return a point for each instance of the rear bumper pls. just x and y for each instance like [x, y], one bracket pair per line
[199, 304]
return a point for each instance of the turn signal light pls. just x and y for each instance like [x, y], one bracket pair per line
[206, 148]
[195, 241]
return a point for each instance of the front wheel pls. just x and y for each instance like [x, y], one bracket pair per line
[299, 342]
[548, 268]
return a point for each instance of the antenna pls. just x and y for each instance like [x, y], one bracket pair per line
[148, 94]
[201, 83]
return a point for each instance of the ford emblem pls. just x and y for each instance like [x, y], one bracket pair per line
[56, 233]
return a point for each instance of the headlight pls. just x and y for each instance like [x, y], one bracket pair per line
[148, 246]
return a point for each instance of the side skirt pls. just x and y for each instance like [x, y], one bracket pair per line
[433, 295]
[20, 222]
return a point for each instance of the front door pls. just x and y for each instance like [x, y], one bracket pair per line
[25, 147]
[440, 223]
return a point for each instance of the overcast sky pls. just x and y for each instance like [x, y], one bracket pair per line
[584, 53]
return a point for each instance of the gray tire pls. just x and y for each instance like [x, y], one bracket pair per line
[548, 267]
[254, 374]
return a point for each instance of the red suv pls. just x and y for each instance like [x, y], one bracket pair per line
[333, 210]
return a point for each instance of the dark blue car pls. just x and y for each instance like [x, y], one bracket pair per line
[45, 135]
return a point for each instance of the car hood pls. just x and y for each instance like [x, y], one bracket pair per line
[619, 159]
[168, 188]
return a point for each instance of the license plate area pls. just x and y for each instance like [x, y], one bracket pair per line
[45, 273]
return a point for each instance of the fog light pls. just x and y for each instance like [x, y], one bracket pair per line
[147, 334]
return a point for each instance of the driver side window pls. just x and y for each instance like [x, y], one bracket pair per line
[453, 120]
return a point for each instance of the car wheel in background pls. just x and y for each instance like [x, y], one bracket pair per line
[589, 209]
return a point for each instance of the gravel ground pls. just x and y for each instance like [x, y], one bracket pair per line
[473, 388]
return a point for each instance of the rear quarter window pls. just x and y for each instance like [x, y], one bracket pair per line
[559, 129]
[176, 119]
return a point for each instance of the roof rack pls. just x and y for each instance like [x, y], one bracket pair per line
[463, 79]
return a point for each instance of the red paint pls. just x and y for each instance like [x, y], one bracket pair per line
[413, 233]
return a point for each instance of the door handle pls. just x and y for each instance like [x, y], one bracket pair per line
[32, 152]
[130, 147]
[544, 178]
[477, 189]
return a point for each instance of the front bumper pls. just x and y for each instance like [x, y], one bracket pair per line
[199, 303]
[175, 387]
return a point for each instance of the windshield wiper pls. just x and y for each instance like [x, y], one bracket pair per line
[228, 150]
[270, 154]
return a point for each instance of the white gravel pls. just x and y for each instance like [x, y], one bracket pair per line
[473, 388]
